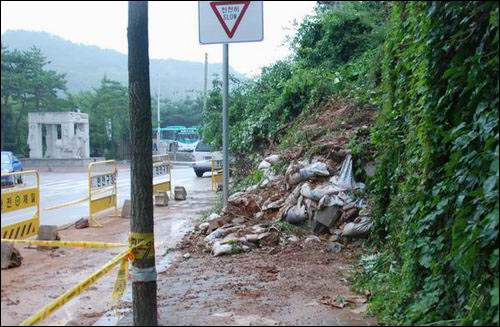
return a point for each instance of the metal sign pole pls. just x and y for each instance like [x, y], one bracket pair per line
[225, 129]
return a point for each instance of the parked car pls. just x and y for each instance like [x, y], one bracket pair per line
[10, 164]
[203, 156]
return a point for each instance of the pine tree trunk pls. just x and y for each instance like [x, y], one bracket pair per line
[143, 293]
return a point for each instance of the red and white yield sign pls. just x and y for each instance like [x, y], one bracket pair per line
[230, 21]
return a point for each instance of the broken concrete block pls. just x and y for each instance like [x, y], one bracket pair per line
[126, 209]
[48, 233]
[180, 193]
[161, 199]
[328, 216]
[10, 256]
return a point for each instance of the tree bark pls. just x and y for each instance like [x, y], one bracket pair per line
[143, 293]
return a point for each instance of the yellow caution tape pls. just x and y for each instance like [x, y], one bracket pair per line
[66, 204]
[147, 249]
[121, 281]
[74, 291]
[67, 244]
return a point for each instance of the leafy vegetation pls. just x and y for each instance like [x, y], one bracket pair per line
[262, 110]
[436, 188]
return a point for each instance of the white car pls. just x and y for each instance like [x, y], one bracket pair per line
[203, 156]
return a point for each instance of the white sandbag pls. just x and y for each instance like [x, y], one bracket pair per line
[346, 179]
[221, 249]
[273, 159]
[319, 169]
[297, 214]
[317, 193]
[330, 201]
[264, 165]
[359, 228]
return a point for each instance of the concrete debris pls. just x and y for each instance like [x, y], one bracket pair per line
[161, 199]
[10, 256]
[186, 256]
[180, 193]
[328, 216]
[292, 239]
[48, 233]
[125, 213]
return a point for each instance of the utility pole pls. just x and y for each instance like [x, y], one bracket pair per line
[142, 272]
[158, 118]
[205, 82]
[225, 122]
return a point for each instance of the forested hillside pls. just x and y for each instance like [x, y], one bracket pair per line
[85, 66]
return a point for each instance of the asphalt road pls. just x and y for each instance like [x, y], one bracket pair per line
[59, 188]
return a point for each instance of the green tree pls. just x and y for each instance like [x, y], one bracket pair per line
[26, 86]
[107, 107]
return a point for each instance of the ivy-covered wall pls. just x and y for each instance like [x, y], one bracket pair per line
[436, 189]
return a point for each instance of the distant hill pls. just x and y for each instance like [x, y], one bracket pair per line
[86, 65]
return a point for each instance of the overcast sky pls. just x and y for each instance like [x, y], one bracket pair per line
[173, 28]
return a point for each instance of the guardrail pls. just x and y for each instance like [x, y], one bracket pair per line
[217, 173]
[21, 196]
[103, 191]
[162, 167]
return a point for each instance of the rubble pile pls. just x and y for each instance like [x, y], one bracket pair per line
[318, 195]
